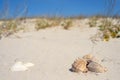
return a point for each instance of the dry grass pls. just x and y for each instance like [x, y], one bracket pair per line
[67, 23]
[52, 22]
[108, 28]
[42, 24]
[8, 27]
[93, 21]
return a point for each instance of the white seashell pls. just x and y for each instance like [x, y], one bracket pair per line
[20, 66]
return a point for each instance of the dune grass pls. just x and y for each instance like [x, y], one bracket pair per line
[8, 27]
[44, 23]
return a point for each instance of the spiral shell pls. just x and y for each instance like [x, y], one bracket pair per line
[79, 66]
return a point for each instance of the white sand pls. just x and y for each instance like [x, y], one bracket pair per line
[53, 51]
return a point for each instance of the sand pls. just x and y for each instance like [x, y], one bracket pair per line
[53, 50]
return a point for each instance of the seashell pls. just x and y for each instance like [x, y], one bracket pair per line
[96, 67]
[20, 66]
[79, 66]
[90, 57]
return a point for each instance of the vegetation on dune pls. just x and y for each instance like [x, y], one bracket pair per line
[109, 29]
[93, 21]
[8, 28]
[67, 23]
[42, 24]
[110, 24]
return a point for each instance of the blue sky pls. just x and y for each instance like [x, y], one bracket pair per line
[55, 7]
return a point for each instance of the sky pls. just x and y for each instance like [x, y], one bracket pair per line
[54, 7]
